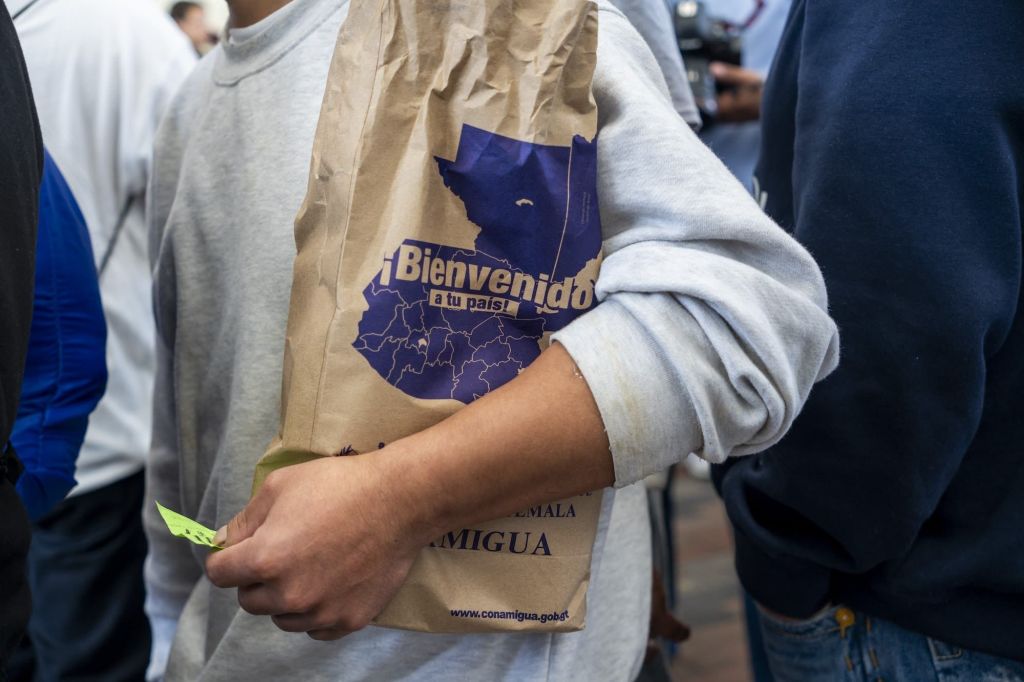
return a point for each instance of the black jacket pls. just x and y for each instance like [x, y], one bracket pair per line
[21, 161]
[893, 148]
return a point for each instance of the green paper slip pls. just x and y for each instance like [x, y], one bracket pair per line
[184, 527]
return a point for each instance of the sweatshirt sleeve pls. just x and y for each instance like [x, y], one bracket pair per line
[906, 186]
[171, 570]
[712, 322]
[654, 22]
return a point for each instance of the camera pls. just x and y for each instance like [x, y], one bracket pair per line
[704, 39]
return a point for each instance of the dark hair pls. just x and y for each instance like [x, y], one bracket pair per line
[180, 9]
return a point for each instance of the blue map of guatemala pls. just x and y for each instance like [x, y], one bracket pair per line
[455, 323]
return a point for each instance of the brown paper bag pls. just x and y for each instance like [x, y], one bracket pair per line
[450, 226]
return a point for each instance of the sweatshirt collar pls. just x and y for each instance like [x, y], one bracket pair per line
[278, 34]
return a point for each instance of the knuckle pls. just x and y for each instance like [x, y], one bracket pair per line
[325, 635]
[353, 622]
[298, 600]
[248, 603]
[287, 625]
[214, 572]
[323, 621]
[272, 482]
[213, 575]
[265, 565]
[236, 527]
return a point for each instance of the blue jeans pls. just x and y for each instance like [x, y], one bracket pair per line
[842, 644]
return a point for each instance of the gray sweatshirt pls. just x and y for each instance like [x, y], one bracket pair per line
[711, 330]
[654, 21]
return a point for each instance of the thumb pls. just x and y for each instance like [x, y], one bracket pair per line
[245, 522]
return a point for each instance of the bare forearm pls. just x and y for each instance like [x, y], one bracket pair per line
[538, 438]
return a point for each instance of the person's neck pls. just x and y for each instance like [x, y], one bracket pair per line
[244, 13]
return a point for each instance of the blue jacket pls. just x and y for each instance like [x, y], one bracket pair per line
[65, 370]
[893, 148]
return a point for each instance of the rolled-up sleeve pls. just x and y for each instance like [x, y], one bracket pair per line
[712, 323]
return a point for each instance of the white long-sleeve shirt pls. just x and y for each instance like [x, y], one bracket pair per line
[711, 329]
[103, 72]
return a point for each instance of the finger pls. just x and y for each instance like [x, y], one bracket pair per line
[328, 635]
[733, 108]
[297, 622]
[727, 107]
[310, 622]
[734, 75]
[727, 99]
[260, 600]
[239, 565]
[245, 522]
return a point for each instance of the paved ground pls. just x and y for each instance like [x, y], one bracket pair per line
[708, 593]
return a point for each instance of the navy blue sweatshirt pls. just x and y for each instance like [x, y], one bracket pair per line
[894, 150]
